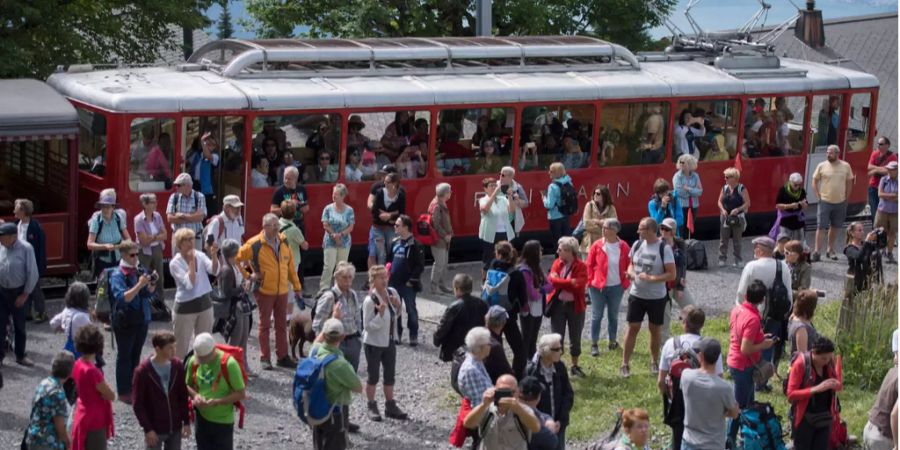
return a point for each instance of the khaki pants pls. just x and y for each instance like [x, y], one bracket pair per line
[189, 325]
[734, 233]
[153, 263]
[332, 256]
[439, 269]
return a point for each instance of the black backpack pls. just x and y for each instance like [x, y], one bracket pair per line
[779, 306]
[673, 404]
[696, 255]
[568, 199]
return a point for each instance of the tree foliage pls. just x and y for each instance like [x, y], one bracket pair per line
[225, 27]
[623, 21]
[37, 36]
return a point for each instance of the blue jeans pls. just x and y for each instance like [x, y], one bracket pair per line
[9, 311]
[744, 393]
[408, 295]
[873, 201]
[772, 327]
[129, 343]
[380, 238]
[609, 299]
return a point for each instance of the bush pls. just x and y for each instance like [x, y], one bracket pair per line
[866, 324]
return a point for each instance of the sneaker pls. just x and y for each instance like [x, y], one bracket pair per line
[831, 255]
[613, 345]
[815, 257]
[721, 263]
[374, 414]
[393, 411]
[577, 372]
[25, 361]
[413, 342]
[595, 351]
[41, 318]
[739, 264]
[266, 364]
[624, 371]
[654, 368]
[352, 427]
[287, 362]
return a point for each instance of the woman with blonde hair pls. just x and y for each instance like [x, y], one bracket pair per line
[734, 202]
[559, 222]
[191, 269]
[337, 220]
[381, 310]
[688, 188]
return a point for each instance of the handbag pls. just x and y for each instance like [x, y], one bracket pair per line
[553, 301]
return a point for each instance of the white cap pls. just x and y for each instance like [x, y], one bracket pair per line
[233, 201]
[333, 328]
[183, 178]
[204, 344]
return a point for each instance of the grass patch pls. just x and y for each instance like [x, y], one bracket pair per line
[602, 392]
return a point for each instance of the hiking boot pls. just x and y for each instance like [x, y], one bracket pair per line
[577, 372]
[287, 362]
[595, 351]
[25, 361]
[613, 345]
[374, 415]
[352, 427]
[654, 368]
[624, 371]
[393, 411]
[41, 317]
[413, 342]
[815, 257]
[266, 364]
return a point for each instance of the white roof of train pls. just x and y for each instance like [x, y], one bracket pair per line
[225, 87]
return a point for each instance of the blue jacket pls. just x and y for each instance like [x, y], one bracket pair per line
[119, 284]
[658, 213]
[551, 201]
[36, 237]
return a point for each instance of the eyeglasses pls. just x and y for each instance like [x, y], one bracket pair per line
[598, 193]
[882, 143]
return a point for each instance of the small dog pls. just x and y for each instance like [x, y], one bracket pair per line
[301, 332]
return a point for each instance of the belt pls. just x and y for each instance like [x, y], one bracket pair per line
[352, 336]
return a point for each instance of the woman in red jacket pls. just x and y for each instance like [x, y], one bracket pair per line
[160, 395]
[565, 304]
[812, 390]
[607, 262]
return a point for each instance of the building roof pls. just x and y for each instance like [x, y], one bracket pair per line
[31, 108]
[866, 43]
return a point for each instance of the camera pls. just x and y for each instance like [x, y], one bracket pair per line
[880, 238]
[505, 189]
[154, 277]
[501, 393]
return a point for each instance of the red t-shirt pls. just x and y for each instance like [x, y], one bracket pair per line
[92, 412]
[745, 324]
[875, 159]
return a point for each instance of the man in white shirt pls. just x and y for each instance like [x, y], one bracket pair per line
[228, 224]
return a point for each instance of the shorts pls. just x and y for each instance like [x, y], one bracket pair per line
[655, 310]
[831, 215]
[886, 220]
[379, 250]
[487, 250]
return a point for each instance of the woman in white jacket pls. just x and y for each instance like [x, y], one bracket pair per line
[381, 310]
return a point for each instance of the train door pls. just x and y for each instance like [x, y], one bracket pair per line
[224, 135]
[824, 130]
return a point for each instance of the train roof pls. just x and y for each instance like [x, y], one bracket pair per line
[31, 109]
[328, 74]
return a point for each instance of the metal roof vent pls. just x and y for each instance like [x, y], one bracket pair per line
[189, 67]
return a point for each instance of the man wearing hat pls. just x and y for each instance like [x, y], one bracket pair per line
[496, 362]
[708, 399]
[228, 224]
[213, 398]
[186, 209]
[18, 279]
[341, 382]
[886, 216]
[107, 228]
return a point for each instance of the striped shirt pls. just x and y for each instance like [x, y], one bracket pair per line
[18, 267]
[473, 379]
[179, 203]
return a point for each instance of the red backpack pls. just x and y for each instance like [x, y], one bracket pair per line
[228, 351]
[424, 230]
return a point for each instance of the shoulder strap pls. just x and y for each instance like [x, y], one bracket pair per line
[177, 198]
[676, 344]
[256, 247]
[285, 227]
[100, 223]
[196, 196]
[223, 369]
[221, 221]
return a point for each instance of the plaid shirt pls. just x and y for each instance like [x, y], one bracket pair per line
[186, 205]
[473, 379]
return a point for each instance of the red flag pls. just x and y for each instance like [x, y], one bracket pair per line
[690, 222]
[737, 162]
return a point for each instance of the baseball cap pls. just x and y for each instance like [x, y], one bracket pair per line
[497, 314]
[183, 178]
[204, 344]
[764, 241]
[8, 228]
[233, 201]
[669, 223]
[710, 348]
[333, 328]
[891, 165]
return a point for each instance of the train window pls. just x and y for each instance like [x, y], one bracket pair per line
[633, 133]
[37, 170]
[858, 124]
[91, 142]
[151, 155]
[825, 121]
[773, 126]
[706, 129]
[224, 137]
[474, 141]
[379, 138]
[310, 142]
[560, 133]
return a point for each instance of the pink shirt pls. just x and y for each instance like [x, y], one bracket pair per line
[157, 165]
[92, 412]
[745, 323]
[151, 227]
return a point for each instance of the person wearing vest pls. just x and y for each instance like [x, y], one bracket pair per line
[565, 303]
[877, 169]
[504, 424]
[380, 311]
[734, 201]
[812, 392]
[186, 209]
[607, 263]
[272, 265]
[30, 231]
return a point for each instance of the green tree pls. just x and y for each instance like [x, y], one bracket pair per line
[37, 36]
[623, 21]
[225, 28]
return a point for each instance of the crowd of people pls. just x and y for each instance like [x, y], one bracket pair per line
[221, 278]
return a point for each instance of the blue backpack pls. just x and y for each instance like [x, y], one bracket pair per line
[496, 289]
[761, 428]
[310, 401]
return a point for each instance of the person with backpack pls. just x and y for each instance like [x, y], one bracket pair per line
[272, 264]
[496, 223]
[107, 229]
[443, 227]
[49, 408]
[18, 278]
[812, 390]
[548, 368]
[380, 310]
[161, 396]
[676, 355]
[215, 384]
[228, 224]
[192, 313]
[561, 201]
[235, 289]
[636, 424]
[566, 302]
[496, 291]
[75, 315]
[131, 289]
[503, 422]
[734, 202]
[652, 266]
[664, 203]
[407, 265]
[677, 289]
[708, 400]
[295, 193]
[531, 287]
[340, 383]
[186, 209]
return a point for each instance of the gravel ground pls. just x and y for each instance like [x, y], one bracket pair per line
[422, 387]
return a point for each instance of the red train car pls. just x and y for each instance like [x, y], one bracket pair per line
[527, 94]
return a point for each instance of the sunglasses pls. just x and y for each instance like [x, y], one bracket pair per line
[324, 159]
[665, 228]
[132, 255]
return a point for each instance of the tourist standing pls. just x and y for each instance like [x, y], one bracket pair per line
[559, 222]
[161, 396]
[106, 230]
[380, 310]
[708, 400]
[566, 305]
[151, 236]
[186, 209]
[814, 399]
[337, 220]
[607, 265]
[877, 169]
[92, 420]
[340, 384]
[465, 313]
[212, 398]
[407, 265]
[440, 250]
[832, 181]
[18, 279]
[30, 231]
[49, 408]
[734, 202]
[192, 313]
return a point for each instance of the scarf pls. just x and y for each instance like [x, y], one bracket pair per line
[127, 269]
[794, 195]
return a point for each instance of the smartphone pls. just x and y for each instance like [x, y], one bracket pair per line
[210, 239]
[501, 393]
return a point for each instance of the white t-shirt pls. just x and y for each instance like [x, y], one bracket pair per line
[612, 261]
[23, 231]
[70, 317]
[764, 270]
[645, 259]
[184, 289]
[894, 340]
[667, 354]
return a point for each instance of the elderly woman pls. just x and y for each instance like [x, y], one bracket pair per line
[193, 312]
[75, 315]
[801, 271]
[440, 250]
[473, 380]
[497, 215]
[813, 398]
[688, 188]
[607, 263]
[92, 420]
[381, 310]
[30, 230]
[558, 397]
[790, 203]
[665, 204]
[636, 424]
[236, 329]
[734, 202]
[566, 305]
[801, 332]
[49, 409]
[598, 209]
[151, 235]
[106, 230]
[337, 220]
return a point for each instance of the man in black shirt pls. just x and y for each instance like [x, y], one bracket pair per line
[296, 193]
